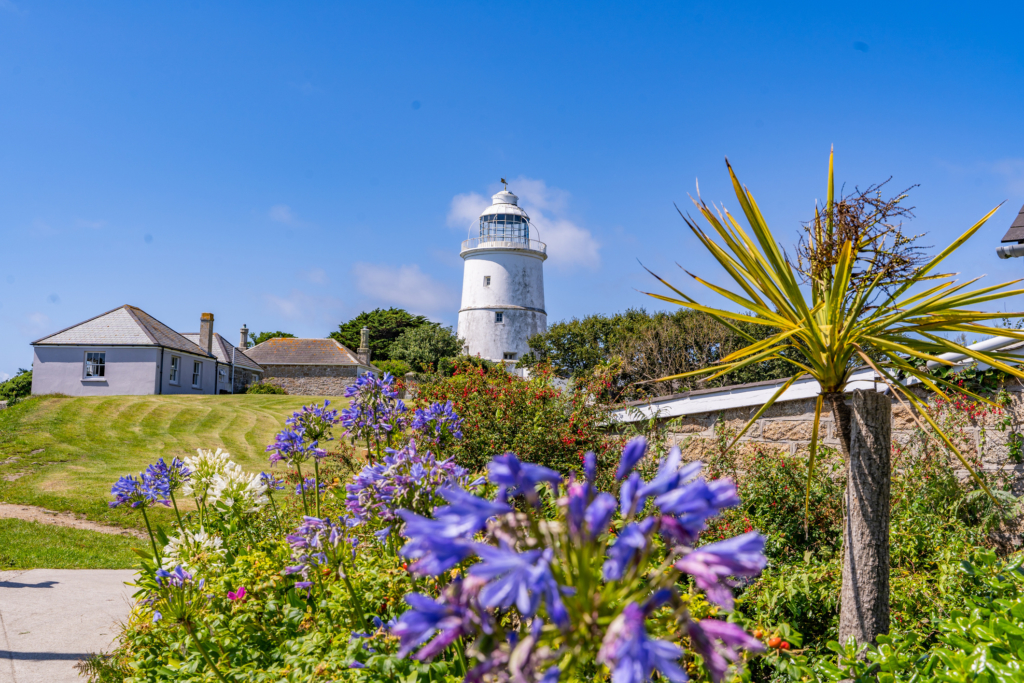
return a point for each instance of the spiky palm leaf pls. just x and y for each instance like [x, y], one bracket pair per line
[827, 337]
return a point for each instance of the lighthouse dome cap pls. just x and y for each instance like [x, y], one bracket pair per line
[504, 202]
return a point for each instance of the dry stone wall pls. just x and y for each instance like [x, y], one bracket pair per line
[788, 425]
[312, 380]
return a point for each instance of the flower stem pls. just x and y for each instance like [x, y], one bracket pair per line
[206, 656]
[152, 539]
[316, 484]
[355, 598]
[176, 513]
[302, 488]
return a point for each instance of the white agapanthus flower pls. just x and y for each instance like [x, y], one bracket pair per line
[237, 490]
[205, 466]
[193, 548]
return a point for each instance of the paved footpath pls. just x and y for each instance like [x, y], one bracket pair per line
[51, 618]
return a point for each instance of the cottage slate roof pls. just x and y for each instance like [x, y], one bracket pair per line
[123, 326]
[1016, 231]
[290, 351]
[222, 351]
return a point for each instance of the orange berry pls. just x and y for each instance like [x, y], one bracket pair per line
[758, 633]
[774, 641]
[784, 645]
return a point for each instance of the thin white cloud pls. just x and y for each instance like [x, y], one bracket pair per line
[1009, 171]
[318, 276]
[4, 377]
[95, 225]
[282, 213]
[298, 306]
[9, 6]
[36, 324]
[406, 286]
[569, 245]
[465, 209]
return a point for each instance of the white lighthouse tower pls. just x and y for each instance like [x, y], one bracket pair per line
[502, 284]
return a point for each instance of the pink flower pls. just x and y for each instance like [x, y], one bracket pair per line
[238, 594]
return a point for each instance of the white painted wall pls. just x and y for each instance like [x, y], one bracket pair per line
[129, 371]
[184, 385]
[516, 290]
[61, 370]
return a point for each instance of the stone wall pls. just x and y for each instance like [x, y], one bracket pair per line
[243, 378]
[312, 380]
[788, 425]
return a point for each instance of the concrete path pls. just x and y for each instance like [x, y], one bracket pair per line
[52, 618]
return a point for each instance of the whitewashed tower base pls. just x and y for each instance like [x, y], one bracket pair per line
[503, 284]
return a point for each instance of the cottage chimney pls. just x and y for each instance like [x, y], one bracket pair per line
[206, 332]
[363, 352]
[244, 341]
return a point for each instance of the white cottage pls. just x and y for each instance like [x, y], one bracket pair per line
[127, 351]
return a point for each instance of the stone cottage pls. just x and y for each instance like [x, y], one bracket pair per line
[310, 367]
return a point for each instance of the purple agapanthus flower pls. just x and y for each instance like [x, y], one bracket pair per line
[375, 410]
[308, 484]
[631, 455]
[170, 477]
[711, 564]
[522, 579]
[450, 617]
[632, 656]
[598, 515]
[409, 478]
[520, 478]
[439, 424]
[719, 643]
[176, 578]
[693, 503]
[310, 541]
[271, 482]
[590, 467]
[621, 554]
[138, 492]
[441, 543]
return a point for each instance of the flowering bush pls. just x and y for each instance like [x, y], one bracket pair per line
[549, 599]
[503, 413]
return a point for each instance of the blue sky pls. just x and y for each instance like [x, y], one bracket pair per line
[287, 165]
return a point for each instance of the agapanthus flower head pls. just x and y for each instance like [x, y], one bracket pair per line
[632, 655]
[294, 446]
[720, 643]
[312, 540]
[522, 579]
[137, 492]
[176, 578]
[315, 421]
[439, 424]
[409, 478]
[192, 549]
[271, 482]
[692, 503]
[203, 467]
[375, 410]
[520, 478]
[712, 564]
[238, 491]
[308, 485]
[631, 455]
[450, 617]
[631, 540]
[171, 477]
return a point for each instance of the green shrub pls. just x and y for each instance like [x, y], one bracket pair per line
[397, 368]
[504, 413]
[448, 367]
[265, 387]
[17, 387]
[424, 347]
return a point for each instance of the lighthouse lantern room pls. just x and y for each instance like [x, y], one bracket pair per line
[503, 283]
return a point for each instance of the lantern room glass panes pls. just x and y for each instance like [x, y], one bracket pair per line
[504, 227]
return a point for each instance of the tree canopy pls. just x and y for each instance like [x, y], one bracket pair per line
[639, 347]
[385, 325]
[424, 347]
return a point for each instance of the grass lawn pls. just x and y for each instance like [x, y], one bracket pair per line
[65, 453]
[31, 545]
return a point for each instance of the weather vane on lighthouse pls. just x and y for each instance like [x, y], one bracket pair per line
[503, 283]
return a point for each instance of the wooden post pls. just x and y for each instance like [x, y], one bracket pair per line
[864, 612]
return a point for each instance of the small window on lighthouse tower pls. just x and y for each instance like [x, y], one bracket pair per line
[509, 355]
[487, 280]
[499, 317]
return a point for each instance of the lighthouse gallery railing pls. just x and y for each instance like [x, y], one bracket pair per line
[507, 243]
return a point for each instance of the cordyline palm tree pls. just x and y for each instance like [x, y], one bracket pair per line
[851, 320]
